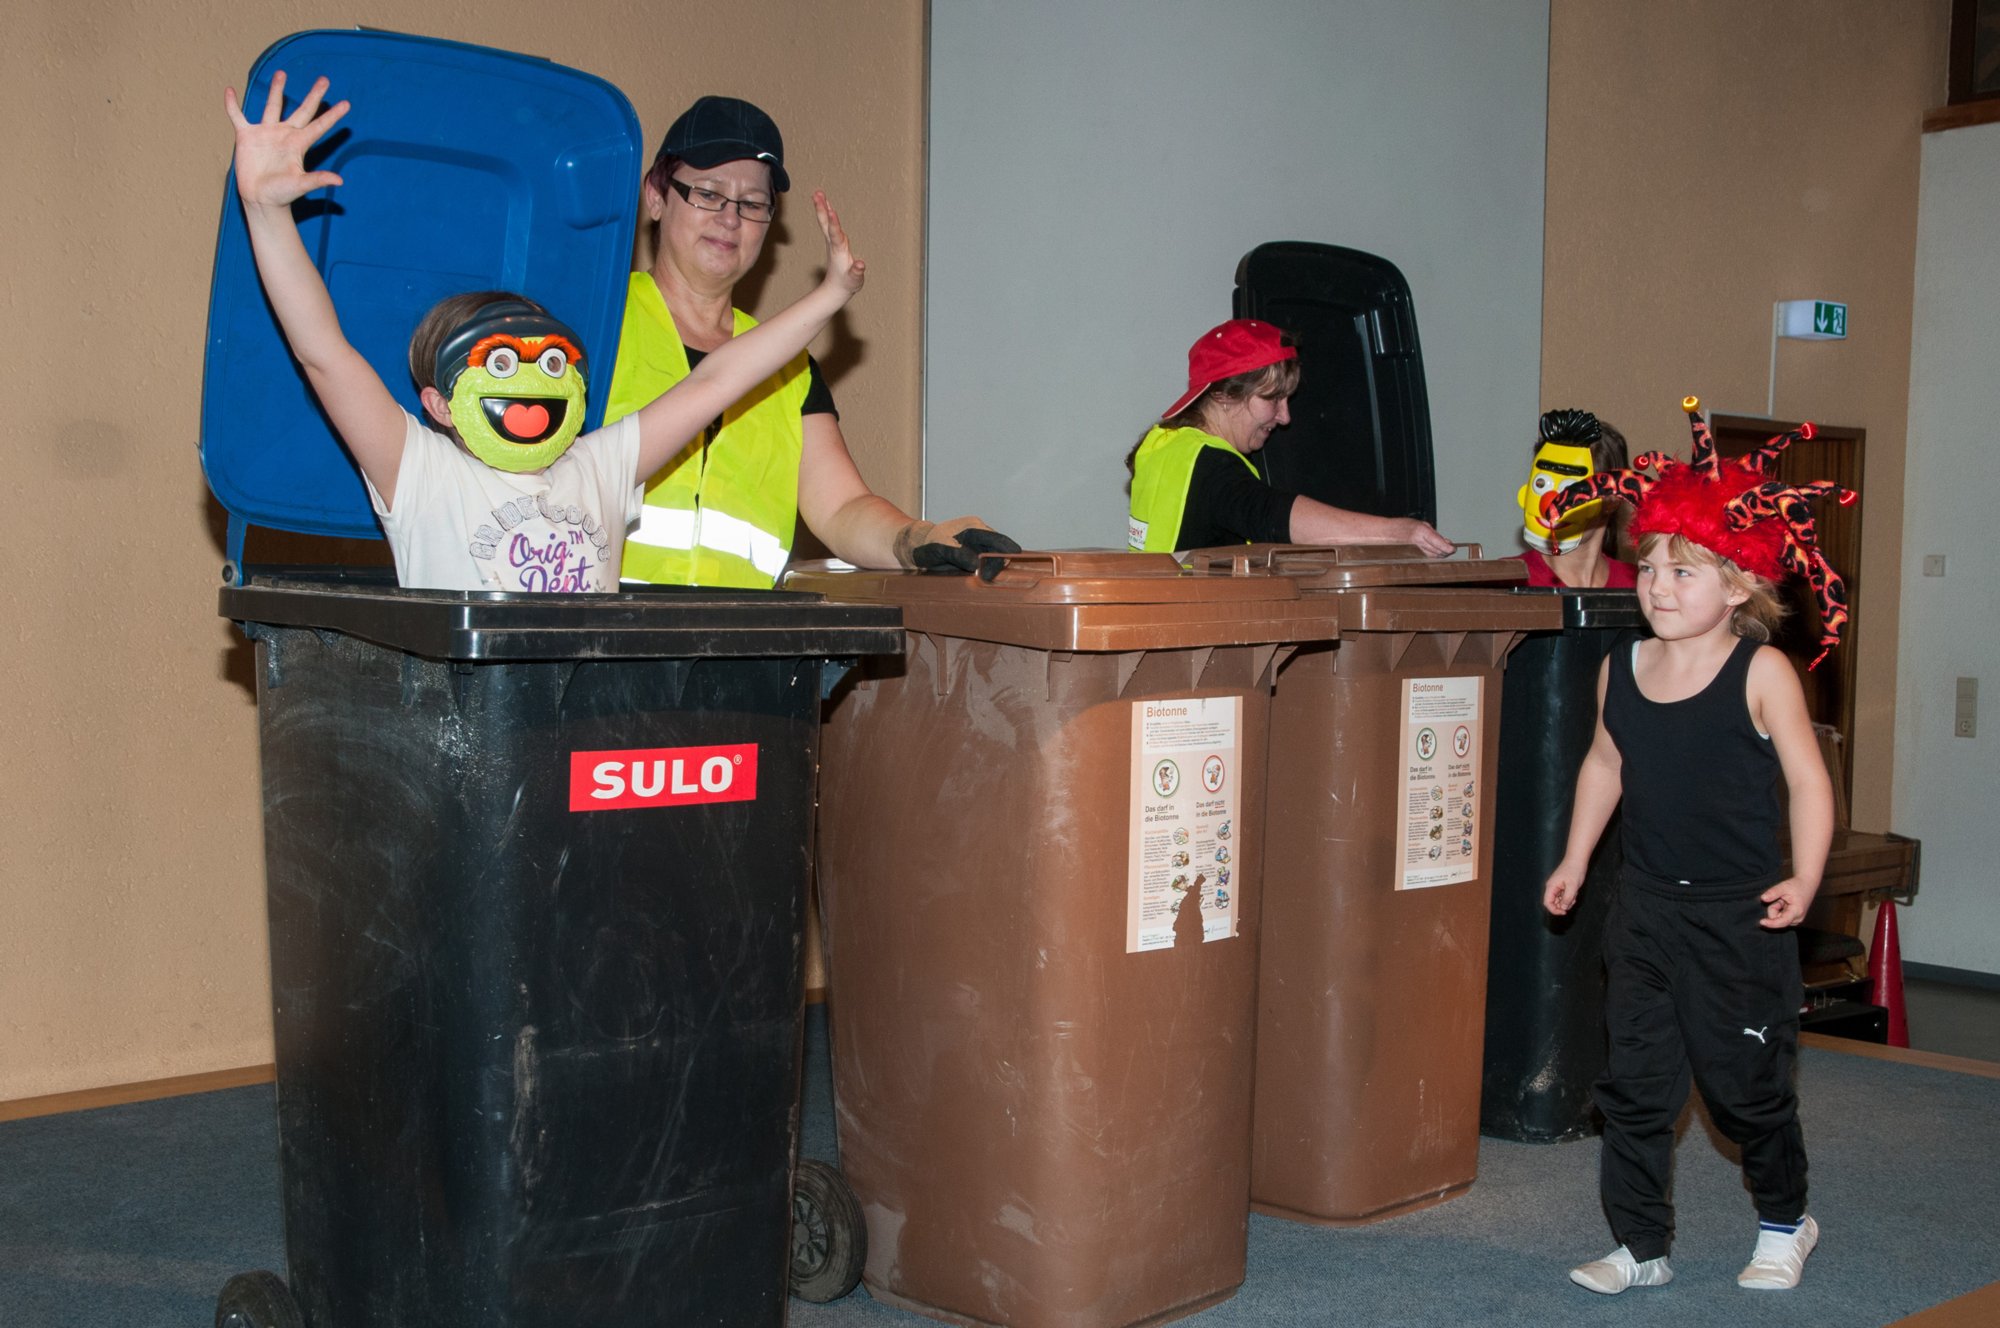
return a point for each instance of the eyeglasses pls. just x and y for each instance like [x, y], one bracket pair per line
[750, 209]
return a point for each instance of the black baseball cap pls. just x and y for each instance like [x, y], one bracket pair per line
[719, 129]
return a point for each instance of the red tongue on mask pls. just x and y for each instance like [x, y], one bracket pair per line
[526, 421]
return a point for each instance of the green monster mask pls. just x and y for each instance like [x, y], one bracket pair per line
[514, 377]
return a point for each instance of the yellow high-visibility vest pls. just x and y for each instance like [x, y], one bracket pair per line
[722, 512]
[1161, 472]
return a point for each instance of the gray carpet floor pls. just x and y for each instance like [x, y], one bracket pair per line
[135, 1216]
[1905, 1182]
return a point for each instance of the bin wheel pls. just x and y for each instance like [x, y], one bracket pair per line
[829, 1240]
[257, 1300]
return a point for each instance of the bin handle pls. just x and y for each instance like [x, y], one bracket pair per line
[1034, 565]
[1241, 561]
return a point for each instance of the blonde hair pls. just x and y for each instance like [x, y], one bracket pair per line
[1758, 616]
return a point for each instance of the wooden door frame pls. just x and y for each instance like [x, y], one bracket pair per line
[1749, 430]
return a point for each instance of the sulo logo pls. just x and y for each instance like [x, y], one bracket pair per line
[662, 777]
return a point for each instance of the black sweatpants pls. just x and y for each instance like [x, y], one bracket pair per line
[1697, 986]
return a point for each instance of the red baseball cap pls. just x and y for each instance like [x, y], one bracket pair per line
[1227, 349]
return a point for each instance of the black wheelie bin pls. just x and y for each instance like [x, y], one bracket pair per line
[1545, 975]
[536, 872]
[536, 863]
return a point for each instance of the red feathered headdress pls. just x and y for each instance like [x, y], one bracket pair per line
[1729, 507]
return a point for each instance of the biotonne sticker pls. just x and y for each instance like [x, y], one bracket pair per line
[662, 777]
[1437, 842]
[1185, 844]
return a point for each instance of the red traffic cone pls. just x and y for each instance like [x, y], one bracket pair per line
[1885, 974]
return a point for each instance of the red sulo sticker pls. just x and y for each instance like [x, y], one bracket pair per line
[662, 777]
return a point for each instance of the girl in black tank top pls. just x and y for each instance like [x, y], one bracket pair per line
[1700, 782]
[1702, 975]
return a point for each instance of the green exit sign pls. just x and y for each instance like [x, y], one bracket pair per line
[1812, 320]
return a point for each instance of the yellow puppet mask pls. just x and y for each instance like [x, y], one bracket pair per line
[1557, 466]
[1562, 459]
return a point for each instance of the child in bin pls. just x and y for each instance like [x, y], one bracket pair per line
[1695, 724]
[495, 491]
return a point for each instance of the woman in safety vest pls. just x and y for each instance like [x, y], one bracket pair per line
[1193, 481]
[723, 512]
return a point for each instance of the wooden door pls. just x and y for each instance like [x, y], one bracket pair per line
[1833, 453]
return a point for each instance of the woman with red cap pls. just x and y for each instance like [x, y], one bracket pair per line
[723, 512]
[1194, 483]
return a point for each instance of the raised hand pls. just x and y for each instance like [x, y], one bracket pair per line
[270, 155]
[843, 269]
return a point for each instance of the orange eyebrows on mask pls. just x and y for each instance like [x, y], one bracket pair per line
[527, 348]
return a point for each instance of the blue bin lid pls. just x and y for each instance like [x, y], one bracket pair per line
[465, 168]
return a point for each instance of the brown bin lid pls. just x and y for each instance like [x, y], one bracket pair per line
[1348, 566]
[1394, 587]
[1087, 600]
[1445, 609]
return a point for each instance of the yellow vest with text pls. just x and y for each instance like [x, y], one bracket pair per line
[1162, 470]
[722, 512]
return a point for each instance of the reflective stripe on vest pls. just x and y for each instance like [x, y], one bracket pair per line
[720, 513]
[709, 528]
[1162, 470]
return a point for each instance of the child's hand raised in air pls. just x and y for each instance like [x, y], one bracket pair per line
[843, 269]
[270, 155]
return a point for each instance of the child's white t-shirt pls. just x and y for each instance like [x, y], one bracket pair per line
[459, 524]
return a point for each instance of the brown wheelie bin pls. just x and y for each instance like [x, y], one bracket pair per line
[1378, 841]
[1041, 916]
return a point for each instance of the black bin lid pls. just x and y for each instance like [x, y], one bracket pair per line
[1360, 436]
[1593, 608]
[668, 622]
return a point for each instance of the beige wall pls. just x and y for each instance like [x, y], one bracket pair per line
[131, 889]
[1707, 157]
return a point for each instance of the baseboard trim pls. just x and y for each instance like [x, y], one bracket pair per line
[1958, 977]
[1930, 1060]
[116, 1095]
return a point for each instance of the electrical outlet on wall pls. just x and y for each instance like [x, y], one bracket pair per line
[1965, 717]
[1933, 564]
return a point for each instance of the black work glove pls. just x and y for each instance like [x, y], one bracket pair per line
[964, 556]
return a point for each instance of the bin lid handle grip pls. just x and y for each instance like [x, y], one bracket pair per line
[1241, 560]
[1031, 566]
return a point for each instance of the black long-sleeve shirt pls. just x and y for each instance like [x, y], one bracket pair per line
[1229, 504]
